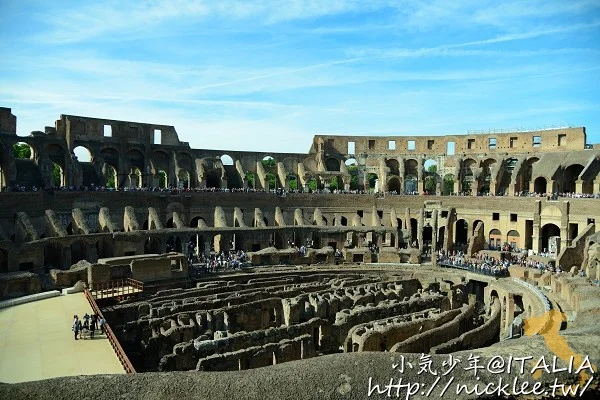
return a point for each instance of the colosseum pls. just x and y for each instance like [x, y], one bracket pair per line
[397, 266]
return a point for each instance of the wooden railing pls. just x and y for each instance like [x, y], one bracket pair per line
[127, 366]
[116, 288]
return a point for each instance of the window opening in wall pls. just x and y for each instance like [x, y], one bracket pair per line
[444, 214]
[591, 221]
[157, 136]
[351, 147]
[562, 139]
[430, 144]
[411, 145]
[513, 217]
[371, 145]
[107, 131]
[513, 142]
[391, 145]
[496, 216]
[450, 148]
[330, 142]
[537, 141]
[492, 143]
[470, 144]
[360, 213]
[380, 213]
[428, 214]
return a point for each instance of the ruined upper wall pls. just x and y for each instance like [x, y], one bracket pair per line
[565, 139]
[8, 122]
[75, 128]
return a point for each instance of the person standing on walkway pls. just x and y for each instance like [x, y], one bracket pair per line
[76, 326]
[102, 322]
[93, 326]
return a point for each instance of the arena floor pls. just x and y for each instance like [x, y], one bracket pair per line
[36, 342]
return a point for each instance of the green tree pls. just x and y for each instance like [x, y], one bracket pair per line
[371, 177]
[448, 187]
[250, 179]
[56, 175]
[111, 181]
[312, 184]
[272, 180]
[293, 183]
[353, 171]
[21, 150]
[430, 180]
[269, 162]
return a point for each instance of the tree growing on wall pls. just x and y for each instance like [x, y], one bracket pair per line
[269, 162]
[353, 171]
[430, 180]
[21, 150]
[56, 173]
[448, 187]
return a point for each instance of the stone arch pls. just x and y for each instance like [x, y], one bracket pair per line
[548, 231]
[461, 228]
[394, 166]
[24, 150]
[495, 238]
[83, 154]
[513, 238]
[372, 182]
[183, 179]
[487, 167]
[136, 177]
[269, 162]
[430, 176]
[394, 185]
[468, 175]
[226, 159]
[448, 184]
[161, 162]
[540, 185]
[570, 176]
[332, 164]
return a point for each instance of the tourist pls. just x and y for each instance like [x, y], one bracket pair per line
[76, 326]
[102, 323]
[93, 326]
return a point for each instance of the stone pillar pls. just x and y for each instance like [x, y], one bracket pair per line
[420, 229]
[579, 186]
[456, 185]
[511, 188]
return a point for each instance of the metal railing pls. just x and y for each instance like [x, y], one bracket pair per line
[123, 359]
[117, 288]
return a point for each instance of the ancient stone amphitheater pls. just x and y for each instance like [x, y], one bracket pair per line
[349, 291]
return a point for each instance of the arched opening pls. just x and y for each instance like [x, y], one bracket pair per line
[513, 238]
[22, 150]
[394, 166]
[292, 181]
[344, 221]
[373, 181]
[250, 179]
[448, 185]
[495, 239]
[352, 167]
[88, 171]
[312, 184]
[427, 236]
[394, 185]
[539, 185]
[271, 180]
[162, 179]
[461, 229]
[58, 176]
[183, 179]
[467, 171]
[440, 238]
[226, 159]
[83, 154]
[430, 168]
[332, 164]
[269, 162]
[110, 174]
[570, 177]
[411, 173]
[486, 176]
[212, 179]
[550, 238]
[198, 222]
[525, 174]
[413, 232]
[136, 177]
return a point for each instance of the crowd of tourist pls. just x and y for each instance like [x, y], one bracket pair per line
[88, 327]
[278, 191]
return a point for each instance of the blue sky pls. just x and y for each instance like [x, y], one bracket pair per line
[268, 75]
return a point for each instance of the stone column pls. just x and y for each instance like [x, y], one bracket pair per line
[579, 186]
[420, 230]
